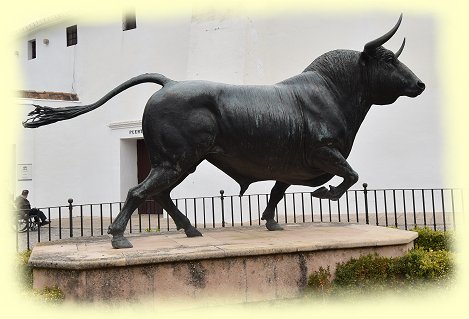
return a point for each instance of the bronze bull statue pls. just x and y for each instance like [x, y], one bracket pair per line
[299, 131]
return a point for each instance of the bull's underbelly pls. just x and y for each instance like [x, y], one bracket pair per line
[246, 170]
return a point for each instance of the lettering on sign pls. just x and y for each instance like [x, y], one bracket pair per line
[135, 132]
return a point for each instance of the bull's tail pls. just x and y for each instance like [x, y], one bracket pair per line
[43, 115]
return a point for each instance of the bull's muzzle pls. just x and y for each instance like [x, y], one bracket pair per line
[416, 89]
[421, 85]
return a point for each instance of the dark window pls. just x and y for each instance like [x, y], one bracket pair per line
[72, 36]
[129, 21]
[32, 49]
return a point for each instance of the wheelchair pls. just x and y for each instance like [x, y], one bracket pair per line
[26, 221]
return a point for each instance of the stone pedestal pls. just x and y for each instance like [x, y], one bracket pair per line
[227, 265]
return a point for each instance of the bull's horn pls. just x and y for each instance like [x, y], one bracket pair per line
[398, 53]
[370, 46]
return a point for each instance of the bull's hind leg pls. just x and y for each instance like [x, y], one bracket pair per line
[276, 195]
[180, 220]
[158, 180]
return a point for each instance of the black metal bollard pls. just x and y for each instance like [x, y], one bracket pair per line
[70, 210]
[365, 192]
[222, 198]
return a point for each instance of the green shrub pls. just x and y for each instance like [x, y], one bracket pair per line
[373, 272]
[421, 265]
[430, 239]
[320, 281]
[365, 271]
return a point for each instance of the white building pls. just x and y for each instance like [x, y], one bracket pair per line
[93, 158]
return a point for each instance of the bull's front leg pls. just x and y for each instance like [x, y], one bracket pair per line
[276, 195]
[331, 161]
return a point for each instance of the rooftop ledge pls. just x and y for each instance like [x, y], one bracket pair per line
[45, 95]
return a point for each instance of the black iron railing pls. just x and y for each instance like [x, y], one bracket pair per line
[401, 208]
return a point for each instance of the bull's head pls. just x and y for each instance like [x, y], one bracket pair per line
[388, 77]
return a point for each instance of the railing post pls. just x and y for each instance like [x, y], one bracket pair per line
[365, 192]
[70, 210]
[222, 198]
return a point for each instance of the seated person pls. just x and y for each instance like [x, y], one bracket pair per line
[22, 204]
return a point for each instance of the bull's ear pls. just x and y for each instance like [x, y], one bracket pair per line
[363, 58]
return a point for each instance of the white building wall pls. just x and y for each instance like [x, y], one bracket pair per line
[92, 159]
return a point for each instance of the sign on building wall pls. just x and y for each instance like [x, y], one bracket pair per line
[24, 172]
[134, 132]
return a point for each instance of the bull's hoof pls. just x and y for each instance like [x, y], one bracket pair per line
[272, 225]
[321, 192]
[192, 232]
[325, 193]
[119, 242]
